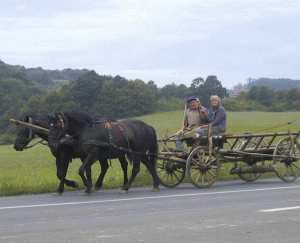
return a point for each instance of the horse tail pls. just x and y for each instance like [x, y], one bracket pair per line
[153, 150]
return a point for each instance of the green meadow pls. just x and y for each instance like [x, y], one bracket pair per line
[34, 171]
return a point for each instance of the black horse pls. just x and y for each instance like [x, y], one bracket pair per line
[66, 154]
[26, 135]
[103, 140]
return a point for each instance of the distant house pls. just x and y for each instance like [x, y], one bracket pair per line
[238, 91]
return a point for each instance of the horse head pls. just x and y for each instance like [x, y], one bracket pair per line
[24, 136]
[58, 129]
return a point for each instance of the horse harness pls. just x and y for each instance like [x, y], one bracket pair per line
[110, 145]
[30, 137]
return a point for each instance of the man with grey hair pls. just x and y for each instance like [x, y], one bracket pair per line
[216, 116]
[193, 119]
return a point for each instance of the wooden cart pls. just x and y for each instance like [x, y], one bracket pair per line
[251, 154]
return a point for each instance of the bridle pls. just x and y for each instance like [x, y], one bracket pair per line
[25, 140]
[62, 133]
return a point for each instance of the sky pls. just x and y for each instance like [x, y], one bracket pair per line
[166, 41]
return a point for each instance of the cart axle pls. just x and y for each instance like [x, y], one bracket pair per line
[252, 169]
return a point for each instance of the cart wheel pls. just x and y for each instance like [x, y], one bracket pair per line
[170, 174]
[202, 170]
[287, 169]
[249, 177]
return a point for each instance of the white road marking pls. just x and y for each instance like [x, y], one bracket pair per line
[279, 209]
[145, 198]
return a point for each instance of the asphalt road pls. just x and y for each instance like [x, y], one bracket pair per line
[267, 210]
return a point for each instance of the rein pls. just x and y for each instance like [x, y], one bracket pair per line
[41, 142]
[109, 144]
[30, 137]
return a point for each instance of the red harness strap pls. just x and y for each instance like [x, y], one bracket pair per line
[121, 128]
[107, 125]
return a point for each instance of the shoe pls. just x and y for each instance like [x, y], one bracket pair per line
[178, 150]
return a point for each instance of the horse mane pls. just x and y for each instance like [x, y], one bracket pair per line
[105, 119]
[37, 119]
[78, 118]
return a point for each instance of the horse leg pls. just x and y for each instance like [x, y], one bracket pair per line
[69, 183]
[88, 162]
[88, 174]
[104, 167]
[124, 165]
[135, 171]
[59, 174]
[62, 164]
[151, 168]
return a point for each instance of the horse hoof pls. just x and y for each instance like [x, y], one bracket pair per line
[56, 193]
[154, 189]
[124, 192]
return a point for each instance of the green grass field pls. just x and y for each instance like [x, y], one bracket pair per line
[33, 170]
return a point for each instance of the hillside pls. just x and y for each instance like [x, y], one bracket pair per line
[45, 78]
[275, 84]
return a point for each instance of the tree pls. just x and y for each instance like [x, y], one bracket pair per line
[238, 86]
[265, 96]
[196, 83]
[85, 89]
[211, 86]
[40, 76]
[133, 99]
[252, 94]
[169, 91]
[153, 87]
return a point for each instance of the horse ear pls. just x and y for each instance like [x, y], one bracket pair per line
[64, 119]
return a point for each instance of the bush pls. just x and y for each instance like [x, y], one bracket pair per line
[6, 139]
[172, 104]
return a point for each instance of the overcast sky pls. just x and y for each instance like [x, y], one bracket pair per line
[167, 41]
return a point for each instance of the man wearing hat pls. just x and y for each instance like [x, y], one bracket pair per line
[193, 119]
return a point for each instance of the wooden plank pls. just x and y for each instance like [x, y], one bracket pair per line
[45, 130]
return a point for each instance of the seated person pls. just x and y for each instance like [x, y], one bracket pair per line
[193, 119]
[215, 116]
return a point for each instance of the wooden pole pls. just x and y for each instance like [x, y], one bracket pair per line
[184, 113]
[45, 130]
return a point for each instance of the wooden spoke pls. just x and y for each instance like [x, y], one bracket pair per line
[288, 168]
[169, 173]
[202, 169]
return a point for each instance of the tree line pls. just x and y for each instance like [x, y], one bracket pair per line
[275, 84]
[31, 91]
[263, 98]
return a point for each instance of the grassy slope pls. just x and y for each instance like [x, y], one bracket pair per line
[34, 171]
